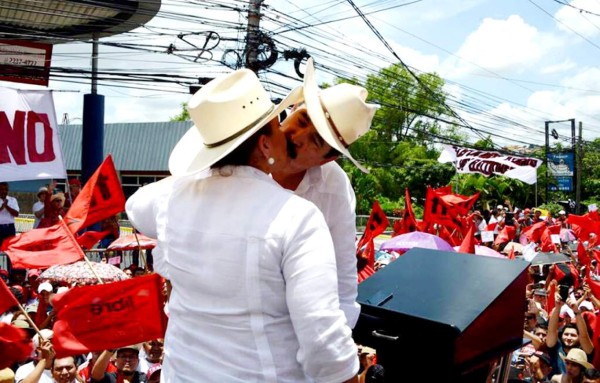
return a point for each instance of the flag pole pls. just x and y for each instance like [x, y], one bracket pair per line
[72, 238]
[37, 330]
[142, 254]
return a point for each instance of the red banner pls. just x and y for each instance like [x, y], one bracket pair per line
[376, 225]
[109, 316]
[438, 211]
[102, 197]
[15, 345]
[42, 248]
[7, 298]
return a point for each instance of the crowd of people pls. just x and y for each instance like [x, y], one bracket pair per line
[275, 299]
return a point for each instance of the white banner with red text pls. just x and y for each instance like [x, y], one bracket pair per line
[488, 162]
[29, 140]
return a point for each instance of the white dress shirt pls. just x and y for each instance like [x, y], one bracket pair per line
[26, 369]
[329, 188]
[252, 267]
[5, 217]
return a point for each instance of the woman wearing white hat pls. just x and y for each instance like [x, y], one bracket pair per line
[252, 266]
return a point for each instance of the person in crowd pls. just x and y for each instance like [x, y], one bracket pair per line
[318, 132]
[561, 341]
[591, 375]
[38, 206]
[152, 354]
[154, 373]
[9, 210]
[39, 370]
[53, 207]
[540, 367]
[267, 308]
[126, 362]
[85, 369]
[576, 363]
[74, 189]
[64, 370]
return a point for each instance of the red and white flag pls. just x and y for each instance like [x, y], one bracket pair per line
[29, 142]
[486, 162]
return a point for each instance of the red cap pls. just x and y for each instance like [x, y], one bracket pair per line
[74, 181]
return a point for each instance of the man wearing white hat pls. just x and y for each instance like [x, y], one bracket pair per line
[318, 132]
[38, 370]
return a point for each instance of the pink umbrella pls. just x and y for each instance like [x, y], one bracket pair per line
[128, 242]
[484, 250]
[404, 242]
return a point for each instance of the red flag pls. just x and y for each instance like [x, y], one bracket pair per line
[506, 234]
[42, 248]
[532, 233]
[551, 301]
[437, 211]
[15, 345]
[101, 197]
[409, 220]
[7, 298]
[594, 286]
[582, 255]
[583, 225]
[88, 239]
[468, 243]
[108, 316]
[460, 203]
[546, 243]
[376, 225]
[511, 254]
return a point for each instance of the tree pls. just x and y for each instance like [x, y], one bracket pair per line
[399, 148]
[184, 115]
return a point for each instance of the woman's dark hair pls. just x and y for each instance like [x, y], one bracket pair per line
[241, 154]
[375, 373]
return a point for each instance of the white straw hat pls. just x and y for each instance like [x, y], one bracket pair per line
[339, 113]
[226, 112]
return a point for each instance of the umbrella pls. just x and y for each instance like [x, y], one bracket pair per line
[407, 241]
[567, 235]
[549, 258]
[484, 250]
[128, 242]
[516, 246]
[80, 273]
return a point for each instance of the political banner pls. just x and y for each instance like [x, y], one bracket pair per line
[489, 162]
[29, 140]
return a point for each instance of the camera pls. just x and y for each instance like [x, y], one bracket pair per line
[563, 291]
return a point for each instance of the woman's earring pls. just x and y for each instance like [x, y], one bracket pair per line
[271, 161]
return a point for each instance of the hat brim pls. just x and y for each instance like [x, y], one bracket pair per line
[581, 363]
[190, 155]
[317, 115]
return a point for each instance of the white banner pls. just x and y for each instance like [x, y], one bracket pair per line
[29, 143]
[487, 163]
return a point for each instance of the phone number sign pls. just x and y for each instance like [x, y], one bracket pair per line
[25, 62]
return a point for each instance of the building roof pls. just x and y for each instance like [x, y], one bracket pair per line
[133, 146]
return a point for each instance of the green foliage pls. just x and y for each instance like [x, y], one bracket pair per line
[184, 115]
[553, 207]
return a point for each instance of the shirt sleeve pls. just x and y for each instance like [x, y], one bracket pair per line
[13, 203]
[327, 352]
[143, 206]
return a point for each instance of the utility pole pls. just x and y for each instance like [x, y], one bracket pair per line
[579, 160]
[252, 34]
[547, 126]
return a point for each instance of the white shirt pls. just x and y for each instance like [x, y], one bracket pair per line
[39, 205]
[329, 188]
[5, 216]
[252, 267]
[26, 369]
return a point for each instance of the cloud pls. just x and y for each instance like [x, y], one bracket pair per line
[572, 20]
[560, 67]
[500, 46]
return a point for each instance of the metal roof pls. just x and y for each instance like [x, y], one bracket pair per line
[134, 146]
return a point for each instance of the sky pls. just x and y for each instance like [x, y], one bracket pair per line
[509, 65]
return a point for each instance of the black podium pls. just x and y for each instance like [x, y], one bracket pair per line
[436, 314]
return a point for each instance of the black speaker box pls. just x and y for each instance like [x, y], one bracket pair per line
[442, 314]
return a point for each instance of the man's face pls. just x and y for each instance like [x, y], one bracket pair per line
[64, 370]
[3, 191]
[570, 337]
[127, 361]
[574, 370]
[75, 189]
[154, 350]
[306, 147]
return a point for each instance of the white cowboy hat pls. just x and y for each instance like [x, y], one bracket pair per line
[226, 112]
[339, 113]
[577, 355]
